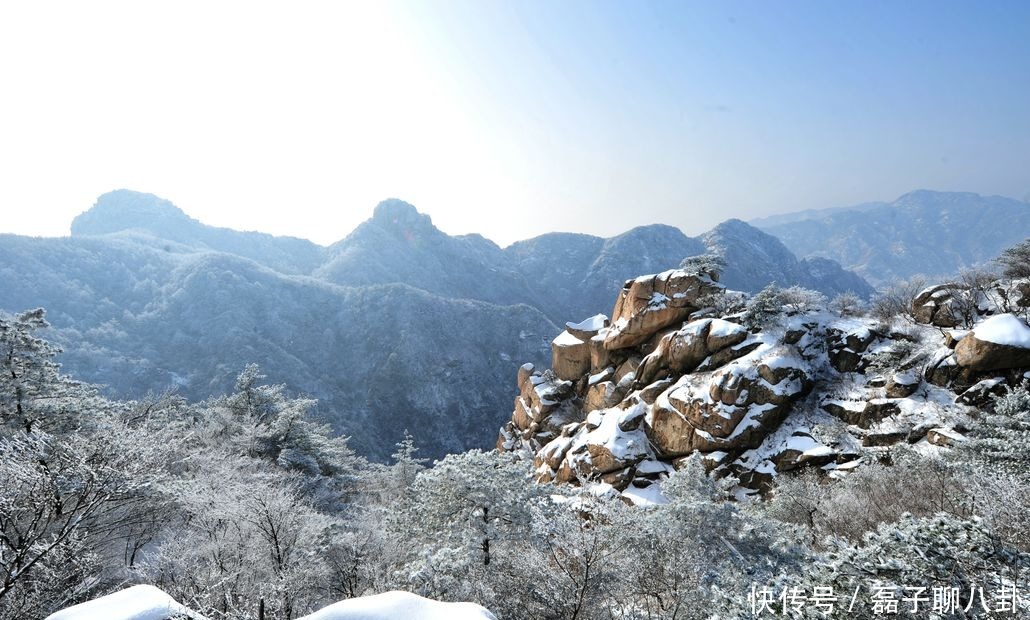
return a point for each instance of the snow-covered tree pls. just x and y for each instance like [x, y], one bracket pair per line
[463, 525]
[894, 300]
[800, 299]
[1015, 261]
[763, 308]
[28, 372]
[847, 304]
[711, 265]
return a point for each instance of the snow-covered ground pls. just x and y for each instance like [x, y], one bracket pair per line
[149, 603]
[393, 605]
[135, 603]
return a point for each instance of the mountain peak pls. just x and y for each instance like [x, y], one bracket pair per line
[124, 209]
[394, 211]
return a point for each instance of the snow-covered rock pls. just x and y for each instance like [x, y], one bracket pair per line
[684, 350]
[141, 602]
[999, 342]
[674, 384]
[398, 605]
[650, 303]
[570, 356]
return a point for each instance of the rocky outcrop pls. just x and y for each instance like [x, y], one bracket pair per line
[628, 401]
[685, 349]
[651, 303]
[846, 344]
[570, 356]
[729, 409]
[934, 305]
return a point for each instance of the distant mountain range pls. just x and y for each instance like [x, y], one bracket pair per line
[923, 232]
[397, 326]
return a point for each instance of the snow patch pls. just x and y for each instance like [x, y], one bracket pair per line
[591, 324]
[1004, 329]
[392, 605]
[565, 339]
[136, 603]
[648, 496]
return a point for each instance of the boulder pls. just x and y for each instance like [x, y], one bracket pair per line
[521, 417]
[599, 356]
[902, 385]
[953, 336]
[570, 357]
[588, 328]
[651, 303]
[725, 356]
[998, 343]
[650, 393]
[801, 450]
[845, 347]
[600, 396]
[876, 410]
[982, 393]
[849, 411]
[541, 395]
[525, 371]
[610, 447]
[627, 371]
[620, 478]
[935, 305]
[942, 370]
[683, 350]
[881, 438]
[944, 437]
[553, 453]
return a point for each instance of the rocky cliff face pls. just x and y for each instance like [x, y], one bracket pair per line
[626, 399]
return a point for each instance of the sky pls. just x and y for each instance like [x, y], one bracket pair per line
[510, 119]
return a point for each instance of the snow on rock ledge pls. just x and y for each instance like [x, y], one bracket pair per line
[396, 605]
[135, 603]
[998, 343]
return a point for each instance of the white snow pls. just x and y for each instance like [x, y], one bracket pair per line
[808, 446]
[651, 466]
[958, 334]
[721, 328]
[591, 324]
[601, 376]
[394, 605]
[565, 339]
[648, 496]
[658, 301]
[906, 378]
[136, 603]
[1004, 329]
[623, 445]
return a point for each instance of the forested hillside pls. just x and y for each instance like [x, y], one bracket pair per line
[397, 326]
[923, 232]
[245, 502]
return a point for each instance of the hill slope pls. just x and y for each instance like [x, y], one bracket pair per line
[922, 232]
[397, 326]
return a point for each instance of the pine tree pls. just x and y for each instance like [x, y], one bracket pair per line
[28, 372]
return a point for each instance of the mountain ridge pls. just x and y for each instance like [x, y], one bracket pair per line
[922, 232]
[396, 326]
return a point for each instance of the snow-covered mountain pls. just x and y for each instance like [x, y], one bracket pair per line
[923, 232]
[396, 324]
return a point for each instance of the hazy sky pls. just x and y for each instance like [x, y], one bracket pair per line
[506, 118]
